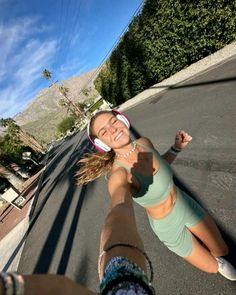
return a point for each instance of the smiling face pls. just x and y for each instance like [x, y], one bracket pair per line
[110, 130]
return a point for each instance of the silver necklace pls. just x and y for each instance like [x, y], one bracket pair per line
[130, 152]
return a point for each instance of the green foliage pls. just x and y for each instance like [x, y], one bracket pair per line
[66, 124]
[96, 105]
[63, 90]
[164, 38]
[11, 146]
[90, 101]
[85, 91]
[81, 105]
[47, 74]
[11, 149]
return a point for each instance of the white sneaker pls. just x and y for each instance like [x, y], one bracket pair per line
[226, 269]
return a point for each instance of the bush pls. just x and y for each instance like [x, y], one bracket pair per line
[66, 124]
[164, 38]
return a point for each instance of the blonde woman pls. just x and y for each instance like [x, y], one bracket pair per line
[137, 170]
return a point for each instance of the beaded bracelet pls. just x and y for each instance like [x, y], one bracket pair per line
[122, 276]
[7, 283]
[13, 283]
[18, 283]
[174, 151]
[130, 246]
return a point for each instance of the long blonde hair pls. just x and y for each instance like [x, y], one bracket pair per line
[96, 164]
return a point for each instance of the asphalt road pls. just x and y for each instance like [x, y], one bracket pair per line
[64, 236]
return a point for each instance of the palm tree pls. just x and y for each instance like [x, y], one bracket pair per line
[46, 74]
[63, 103]
[30, 141]
[16, 132]
[6, 122]
[63, 91]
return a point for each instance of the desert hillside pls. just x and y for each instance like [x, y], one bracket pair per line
[41, 116]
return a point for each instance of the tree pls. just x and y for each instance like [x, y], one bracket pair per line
[64, 91]
[11, 176]
[12, 146]
[163, 38]
[64, 103]
[66, 124]
[81, 105]
[69, 108]
[17, 134]
[46, 74]
[85, 91]
[5, 171]
[11, 149]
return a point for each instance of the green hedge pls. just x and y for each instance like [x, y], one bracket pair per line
[167, 36]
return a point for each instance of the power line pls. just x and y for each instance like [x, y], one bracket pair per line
[65, 28]
[68, 26]
[60, 28]
[113, 47]
[64, 22]
[74, 22]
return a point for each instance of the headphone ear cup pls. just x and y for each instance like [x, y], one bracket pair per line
[101, 145]
[123, 119]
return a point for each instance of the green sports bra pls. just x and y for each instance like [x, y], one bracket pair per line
[153, 188]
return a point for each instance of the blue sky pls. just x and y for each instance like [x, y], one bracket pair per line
[67, 37]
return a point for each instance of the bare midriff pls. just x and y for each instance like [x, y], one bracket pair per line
[164, 208]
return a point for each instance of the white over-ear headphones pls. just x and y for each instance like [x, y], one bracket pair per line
[101, 146]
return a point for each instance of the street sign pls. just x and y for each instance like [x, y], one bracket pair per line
[14, 198]
[19, 201]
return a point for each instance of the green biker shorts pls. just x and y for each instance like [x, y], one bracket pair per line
[173, 230]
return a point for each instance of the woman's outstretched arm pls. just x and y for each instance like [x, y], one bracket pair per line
[48, 284]
[120, 224]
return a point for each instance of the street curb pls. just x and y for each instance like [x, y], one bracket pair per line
[19, 233]
[194, 69]
[37, 190]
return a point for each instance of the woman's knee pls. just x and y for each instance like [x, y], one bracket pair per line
[208, 232]
[222, 247]
[201, 258]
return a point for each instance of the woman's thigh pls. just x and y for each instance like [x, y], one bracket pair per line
[201, 258]
[207, 231]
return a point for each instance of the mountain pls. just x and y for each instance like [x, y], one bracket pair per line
[41, 116]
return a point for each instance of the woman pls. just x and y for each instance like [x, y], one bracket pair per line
[137, 166]
[121, 267]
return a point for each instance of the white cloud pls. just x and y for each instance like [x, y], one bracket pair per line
[75, 39]
[33, 59]
[72, 65]
[23, 57]
[11, 36]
